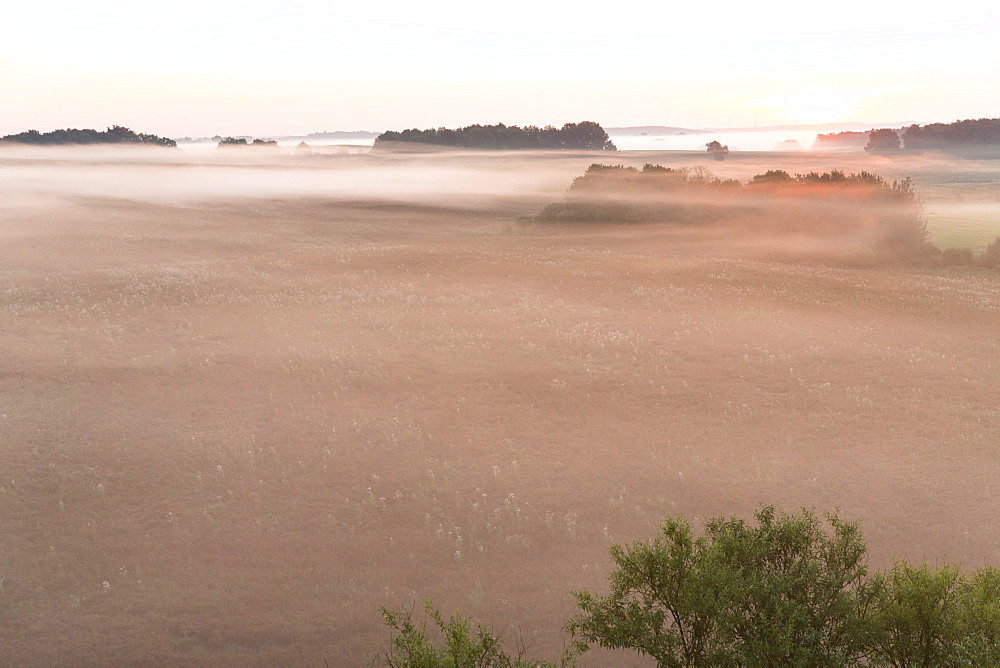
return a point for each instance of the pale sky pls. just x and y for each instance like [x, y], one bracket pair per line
[273, 67]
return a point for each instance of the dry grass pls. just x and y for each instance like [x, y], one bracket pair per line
[232, 431]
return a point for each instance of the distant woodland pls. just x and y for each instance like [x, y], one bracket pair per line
[936, 136]
[960, 134]
[231, 142]
[116, 134]
[841, 141]
[584, 136]
[830, 204]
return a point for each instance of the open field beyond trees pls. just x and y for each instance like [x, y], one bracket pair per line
[247, 400]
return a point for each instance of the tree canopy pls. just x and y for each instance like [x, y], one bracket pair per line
[116, 134]
[785, 591]
[717, 150]
[583, 136]
[960, 134]
[883, 141]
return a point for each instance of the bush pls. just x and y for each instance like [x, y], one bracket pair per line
[930, 617]
[462, 647]
[990, 258]
[962, 257]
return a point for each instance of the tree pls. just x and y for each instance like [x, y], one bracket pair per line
[229, 142]
[587, 136]
[717, 150]
[787, 591]
[937, 617]
[882, 141]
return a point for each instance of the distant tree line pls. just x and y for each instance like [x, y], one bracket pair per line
[960, 134]
[885, 216]
[116, 134]
[936, 136]
[228, 142]
[834, 204]
[841, 141]
[584, 136]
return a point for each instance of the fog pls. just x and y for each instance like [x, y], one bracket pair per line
[249, 397]
[756, 140]
[30, 176]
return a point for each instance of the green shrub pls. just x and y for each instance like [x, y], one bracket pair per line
[461, 645]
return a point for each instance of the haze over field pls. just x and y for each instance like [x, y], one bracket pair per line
[250, 398]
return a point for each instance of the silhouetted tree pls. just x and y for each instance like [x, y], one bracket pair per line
[882, 141]
[717, 150]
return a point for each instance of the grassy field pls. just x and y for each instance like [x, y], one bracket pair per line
[247, 403]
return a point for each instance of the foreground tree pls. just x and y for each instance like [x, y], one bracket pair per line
[788, 591]
[937, 617]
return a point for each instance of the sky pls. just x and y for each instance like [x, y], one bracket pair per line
[268, 68]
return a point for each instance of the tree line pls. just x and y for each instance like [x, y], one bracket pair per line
[862, 205]
[886, 216]
[583, 136]
[231, 142]
[783, 590]
[116, 134]
[936, 136]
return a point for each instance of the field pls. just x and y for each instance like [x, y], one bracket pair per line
[248, 401]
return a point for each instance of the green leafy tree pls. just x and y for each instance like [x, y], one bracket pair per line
[798, 592]
[666, 601]
[788, 591]
[919, 616]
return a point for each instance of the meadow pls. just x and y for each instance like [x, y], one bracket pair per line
[248, 400]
